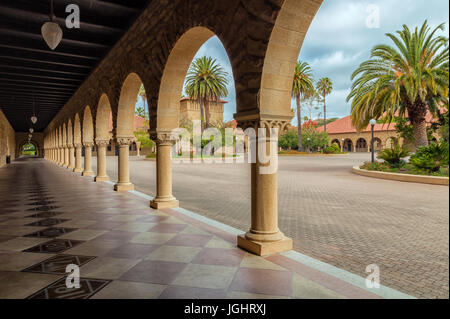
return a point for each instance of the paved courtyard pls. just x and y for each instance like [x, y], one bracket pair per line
[333, 215]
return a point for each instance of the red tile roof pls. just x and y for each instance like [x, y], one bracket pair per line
[344, 125]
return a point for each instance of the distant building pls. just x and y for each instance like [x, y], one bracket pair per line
[190, 110]
[343, 133]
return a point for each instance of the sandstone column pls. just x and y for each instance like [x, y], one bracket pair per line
[71, 157]
[101, 161]
[60, 156]
[88, 159]
[78, 158]
[164, 197]
[123, 184]
[264, 236]
[66, 156]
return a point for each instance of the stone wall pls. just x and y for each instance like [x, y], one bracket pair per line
[7, 140]
[22, 139]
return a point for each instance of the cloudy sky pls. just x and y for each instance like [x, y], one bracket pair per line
[339, 40]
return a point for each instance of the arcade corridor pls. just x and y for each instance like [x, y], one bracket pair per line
[50, 217]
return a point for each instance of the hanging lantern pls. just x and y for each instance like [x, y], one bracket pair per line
[51, 31]
[52, 34]
[31, 130]
[34, 119]
[30, 136]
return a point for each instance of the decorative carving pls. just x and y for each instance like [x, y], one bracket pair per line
[100, 142]
[267, 124]
[77, 145]
[125, 141]
[162, 136]
[88, 144]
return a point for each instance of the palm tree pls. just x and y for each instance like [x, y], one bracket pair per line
[302, 87]
[324, 87]
[206, 81]
[411, 76]
[143, 95]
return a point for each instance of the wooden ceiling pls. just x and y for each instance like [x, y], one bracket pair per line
[35, 78]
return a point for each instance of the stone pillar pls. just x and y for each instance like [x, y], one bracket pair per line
[78, 158]
[164, 197]
[66, 156]
[71, 157]
[138, 148]
[264, 236]
[59, 156]
[123, 184]
[88, 159]
[101, 161]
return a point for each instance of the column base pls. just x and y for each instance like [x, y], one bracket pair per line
[126, 187]
[88, 174]
[158, 204]
[101, 179]
[71, 168]
[65, 166]
[264, 248]
[78, 170]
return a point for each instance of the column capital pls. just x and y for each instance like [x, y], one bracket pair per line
[255, 120]
[163, 136]
[101, 142]
[77, 145]
[88, 144]
[125, 140]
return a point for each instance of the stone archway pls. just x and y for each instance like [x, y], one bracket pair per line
[348, 145]
[361, 145]
[19, 150]
[377, 144]
[337, 142]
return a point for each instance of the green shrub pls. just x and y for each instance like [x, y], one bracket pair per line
[394, 156]
[288, 140]
[432, 157]
[333, 149]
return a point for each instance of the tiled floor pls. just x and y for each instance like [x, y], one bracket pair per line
[50, 218]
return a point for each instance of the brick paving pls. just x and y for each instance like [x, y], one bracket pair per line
[333, 215]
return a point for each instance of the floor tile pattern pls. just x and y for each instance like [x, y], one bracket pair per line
[125, 249]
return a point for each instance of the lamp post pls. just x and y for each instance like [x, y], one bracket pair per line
[372, 123]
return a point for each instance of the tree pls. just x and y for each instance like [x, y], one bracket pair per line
[141, 111]
[324, 88]
[206, 82]
[302, 87]
[410, 77]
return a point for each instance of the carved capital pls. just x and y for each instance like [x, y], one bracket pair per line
[255, 120]
[101, 142]
[88, 144]
[77, 145]
[125, 141]
[163, 137]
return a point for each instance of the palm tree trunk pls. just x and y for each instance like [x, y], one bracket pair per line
[202, 113]
[299, 119]
[420, 134]
[324, 114]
